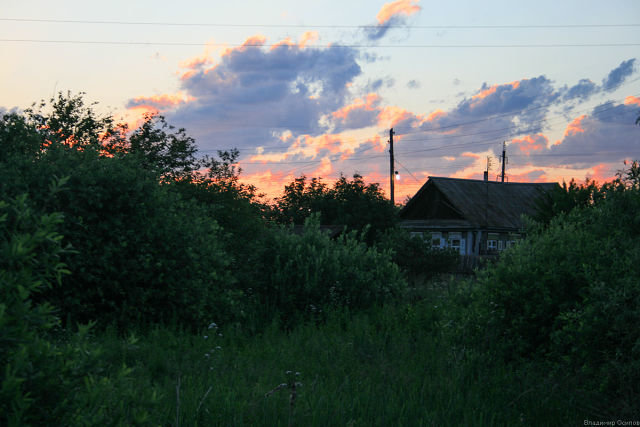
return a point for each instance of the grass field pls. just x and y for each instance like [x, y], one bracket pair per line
[388, 366]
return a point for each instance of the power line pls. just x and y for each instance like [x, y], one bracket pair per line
[259, 25]
[405, 168]
[330, 46]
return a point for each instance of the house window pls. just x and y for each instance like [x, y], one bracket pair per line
[436, 240]
[492, 245]
[455, 241]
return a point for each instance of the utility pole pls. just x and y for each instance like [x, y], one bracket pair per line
[504, 160]
[391, 168]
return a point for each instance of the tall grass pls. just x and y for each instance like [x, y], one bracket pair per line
[388, 366]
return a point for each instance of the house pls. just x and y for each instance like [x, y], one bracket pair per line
[475, 217]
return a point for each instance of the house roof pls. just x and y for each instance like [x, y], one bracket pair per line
[485, 204]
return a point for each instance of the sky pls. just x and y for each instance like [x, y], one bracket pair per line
[313, 88]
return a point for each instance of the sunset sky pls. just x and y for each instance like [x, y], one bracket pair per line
[313, 87]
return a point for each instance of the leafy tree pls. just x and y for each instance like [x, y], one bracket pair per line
[562, 200]
[67, 120]
[350, 203]
[18, 137]
[145, 252]
[160, 147]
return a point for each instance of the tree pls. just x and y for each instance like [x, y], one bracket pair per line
[350, 203]
[160, 147]
[564, 199]
[145, 252]
[67, 120]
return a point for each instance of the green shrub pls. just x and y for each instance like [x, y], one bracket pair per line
[570, 294]
[416, 256]
[306, 273]
[143, 254]
[45, 381]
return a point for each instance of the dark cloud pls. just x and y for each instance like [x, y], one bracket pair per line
[509, 108]
[606, 135]
[413, 84]
[253, 94]
[618, 75]
[376, 85]
[583, 90]
[456, 81]
[361, 114]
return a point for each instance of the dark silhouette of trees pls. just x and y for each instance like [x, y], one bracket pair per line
[349, 202]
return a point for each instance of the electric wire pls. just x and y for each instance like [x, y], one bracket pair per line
[328, 26]
[325, 46]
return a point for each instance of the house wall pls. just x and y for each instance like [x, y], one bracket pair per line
[470, 242]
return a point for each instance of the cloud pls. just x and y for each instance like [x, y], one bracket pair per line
[158, 103]
[391, 15]
[413, 84]
[530, 143]
[377, 84]
[618, 75]
[251, 93]
[360, 114]
[629, 100]
[583, 90]
[606, 135]
[294, 107]
[586, 88]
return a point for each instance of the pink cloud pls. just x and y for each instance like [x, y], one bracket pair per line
[368, 104]
[530, 143]
[307, 37]
[477, 98]
[603, 172]
[157, 103]
[534, 175]
[632, 100]
[391, 115]
[399, 7]
[435, 115]
[573, 128]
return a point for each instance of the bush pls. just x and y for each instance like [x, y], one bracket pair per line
[570, 294]
[416, 256]
[43, 382]
[143, 254]
[303, 274]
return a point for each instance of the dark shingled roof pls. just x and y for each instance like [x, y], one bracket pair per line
[485, 204]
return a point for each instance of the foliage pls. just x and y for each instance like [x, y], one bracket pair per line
[416, 256]
[67, 120]
[30, 261]
[18, 138]
[159, 147]
[308, 272]
[46, 381]
[350, 203]
[570, 294]
[145, 253]
[562, 200]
